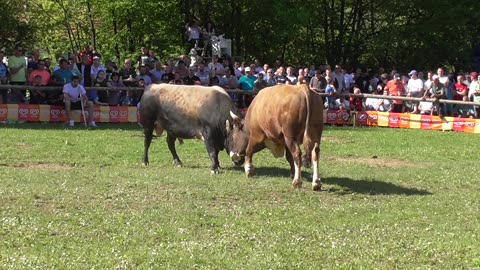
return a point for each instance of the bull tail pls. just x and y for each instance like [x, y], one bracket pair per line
[306, 139]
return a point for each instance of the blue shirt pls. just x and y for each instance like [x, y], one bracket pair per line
[63, 76]
[246, 83]
[329, 90]
[3, 71]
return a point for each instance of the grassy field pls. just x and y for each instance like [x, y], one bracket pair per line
[80, 199]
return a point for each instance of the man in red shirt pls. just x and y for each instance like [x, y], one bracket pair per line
[395, 87]
[460, 93]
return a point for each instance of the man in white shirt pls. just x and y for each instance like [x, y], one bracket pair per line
[415, 85]
[96, 67]
[338, 76]
[74, 94]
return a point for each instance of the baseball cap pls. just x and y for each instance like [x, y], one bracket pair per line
[412, 72]
[397, 76]
[96, 57]
[435, 77]
[248, 69]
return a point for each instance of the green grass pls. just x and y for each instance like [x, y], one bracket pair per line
[80, 199]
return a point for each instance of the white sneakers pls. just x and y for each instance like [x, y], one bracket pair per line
[92, 124]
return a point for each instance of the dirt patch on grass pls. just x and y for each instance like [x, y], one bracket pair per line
[41, 167]
[378, 162]
[24, 145]
[335, 139]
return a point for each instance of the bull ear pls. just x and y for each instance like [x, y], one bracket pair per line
[227, 124]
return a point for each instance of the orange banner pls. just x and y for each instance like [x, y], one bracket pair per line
[404, 120]
[3, 112]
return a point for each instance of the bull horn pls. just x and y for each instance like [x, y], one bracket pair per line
[234, 116]
[227, 124]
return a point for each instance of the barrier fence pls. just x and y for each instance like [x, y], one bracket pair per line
[124, 114]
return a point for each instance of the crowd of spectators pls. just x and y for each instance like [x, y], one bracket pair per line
[93, 71]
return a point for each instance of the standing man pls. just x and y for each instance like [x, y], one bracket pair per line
[339, 80]
[17, 66]
[395, 88]
[74, 94]
[85, 70]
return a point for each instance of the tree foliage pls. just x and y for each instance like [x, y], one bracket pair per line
[369, 33]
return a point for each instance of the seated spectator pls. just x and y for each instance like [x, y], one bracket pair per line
[460, 93]
[357, 102]
[228, 81]
[144, 76]
[318, 83]
[192, 79]
[203, 74]
[343, 104]
[128, 74]
[177, 80]
[38, 96]
[260, 83]
[63, 75]
[395, 87]
[216, 67]
[168, 74]
[410, 106]
[214, 80]
[74, 94]
[157, 73]
[436, 91]
[102, 95]
[330, 103]
[181, 70]
[115, 97]
[40, 71]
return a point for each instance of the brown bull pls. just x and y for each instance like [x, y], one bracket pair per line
[280, 118]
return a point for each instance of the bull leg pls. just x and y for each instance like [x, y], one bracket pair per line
[296, 153]
[316, 179]
[289, 157]
[171, 146]
[148, 132]
[212, 153]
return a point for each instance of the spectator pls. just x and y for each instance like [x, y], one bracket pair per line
[157, 73]
[152, 58]
[192, 79]
[96, 67]
[237, 69]
[339, 80]
[177, 80]
[73, 65]
[373, 103]
[74, 94]
[17, 65]
[203, 74]
[142, 59]
[85, 70]
[128, 74]
[101, 95]
[246, 83]
[115, 97]
[357, 102]
[330, 103]
[301, 80]
[3, 77]
[228, 81]
[292, 79]
[37, 96]
[193, 32]
[271, 81]
[395, 88]
[476, 94]
[425, 107]
[460, 93]
[88, 53]
[64, 74]
[33, 63]
[280, 78]
[215, 67]
[181, 70]
[436, 91]
[168, 74]
[40, 71]
[109, 68]
[260, 83]
[144, 76]
[343, 104]
[473, 85]
[415, 85]
[306, 72]
[318, 83]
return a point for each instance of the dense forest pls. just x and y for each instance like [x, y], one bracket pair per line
[420, 34]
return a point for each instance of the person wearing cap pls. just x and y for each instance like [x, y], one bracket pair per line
[415, 84]
[246, 83]
[228, 81]
[96, 67]
[436, 91]
[260, 83]
[74, 94]
[395, 87]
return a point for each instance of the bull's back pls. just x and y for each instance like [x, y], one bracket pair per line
[279, 110]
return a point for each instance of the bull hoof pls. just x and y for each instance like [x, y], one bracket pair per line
[297, 184]
[178, 163]
[214, 171]
[317, 186]
[251, 172]
[307, 163]
[145, 164]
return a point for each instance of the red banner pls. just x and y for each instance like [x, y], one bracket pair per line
[23, 112]
[34, 113]
[394, 120]
[3, 112]
[56, 114]
[426, 122]
[458, 124]
[123, 114]
[362, 118]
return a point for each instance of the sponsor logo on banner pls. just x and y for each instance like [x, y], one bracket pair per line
[469, 126]
[343, 117]
[372, 119]
[123, 114]
[458, 124]
[114, 115]
[23, 112]
[393, 120]
[362, 118]
[34, 113]
[331, 117]
[3, 113]
[56, 114]
[426, 122]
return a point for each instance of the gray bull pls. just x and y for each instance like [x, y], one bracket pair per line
[186, 112]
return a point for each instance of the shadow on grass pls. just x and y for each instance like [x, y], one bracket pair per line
[344, 186]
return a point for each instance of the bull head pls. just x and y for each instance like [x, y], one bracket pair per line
[237, 139]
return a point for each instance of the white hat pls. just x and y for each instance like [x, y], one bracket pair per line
[248, 69]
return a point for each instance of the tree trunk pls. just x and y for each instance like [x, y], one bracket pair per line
[92, 25]
[115, 32]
